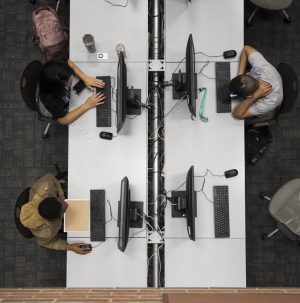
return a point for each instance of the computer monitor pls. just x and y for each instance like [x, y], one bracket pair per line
[184, 204]
[128, 100]
[185, 84]
[121, 92]
[130, 214]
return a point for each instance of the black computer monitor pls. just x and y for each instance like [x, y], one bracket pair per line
[184, 204]
[191, 199]
[191, 77]
[121, 92]
[185, 84]
[129, 214]
[128, 100]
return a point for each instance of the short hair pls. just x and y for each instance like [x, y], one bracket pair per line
[243, 85]
[50, 208]
[53, 77]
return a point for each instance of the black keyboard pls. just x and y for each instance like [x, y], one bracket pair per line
[222, 84]
[97, 214]
[221, 211]
[104, 110]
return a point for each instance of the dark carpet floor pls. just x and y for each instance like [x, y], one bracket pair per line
[25, 156]
[275, 262]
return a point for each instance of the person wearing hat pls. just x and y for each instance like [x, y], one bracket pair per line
[261, 88]
[43, 215]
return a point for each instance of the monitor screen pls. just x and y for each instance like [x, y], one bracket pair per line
[121, 92]
[124, 215]
[191, 80]
[190, 204]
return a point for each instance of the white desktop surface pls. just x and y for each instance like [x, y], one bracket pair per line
[110, 25]
[205, 263]
[95, 163]
[217, 145]
[216, 26]
[106, 266]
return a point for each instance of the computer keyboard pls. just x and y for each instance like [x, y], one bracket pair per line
[221, 211]
[97, 215]
[104, 110]
[222, 84]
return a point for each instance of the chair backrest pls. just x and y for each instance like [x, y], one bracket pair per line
[22, 199]
[29, 83]
[290, 87]
[272, 4]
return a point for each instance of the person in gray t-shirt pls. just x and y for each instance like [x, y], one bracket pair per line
[262, 87]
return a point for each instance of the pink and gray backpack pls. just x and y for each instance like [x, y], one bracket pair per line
[50, 33]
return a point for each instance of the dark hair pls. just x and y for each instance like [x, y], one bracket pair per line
[53, 77]
[243, 85]
[50, 208]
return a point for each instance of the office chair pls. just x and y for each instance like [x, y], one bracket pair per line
[284, 207]
[57, 4]
[22, 199]
[30, 95]
[275, 5]
[290, 93]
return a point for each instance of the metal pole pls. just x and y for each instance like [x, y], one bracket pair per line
[154, 126]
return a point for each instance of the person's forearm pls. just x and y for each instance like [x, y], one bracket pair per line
[78, 72]
[243, 62]
[70, 117]
[243, 107]
[56, 243]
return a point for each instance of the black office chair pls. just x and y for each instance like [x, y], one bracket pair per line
[57, 4]
[284, 207]
[22, 199]
[290, 93]
[30, 94]
[274, 5]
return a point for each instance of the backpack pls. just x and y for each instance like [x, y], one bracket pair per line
[50, 33]
[256, 141]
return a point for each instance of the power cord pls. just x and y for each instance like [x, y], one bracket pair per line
[125, 5]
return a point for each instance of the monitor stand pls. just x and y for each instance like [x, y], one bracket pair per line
[135, 220]
[133, 97]
[178, 200]
[179, 85]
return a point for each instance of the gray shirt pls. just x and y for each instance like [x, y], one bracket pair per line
[262, 69]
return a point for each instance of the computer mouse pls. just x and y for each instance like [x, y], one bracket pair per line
[231, 173]
[86, 246]
[106, 135]
[229, 54]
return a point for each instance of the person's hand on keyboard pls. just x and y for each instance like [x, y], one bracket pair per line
[94, 100]
[91, 82]
[75, 247]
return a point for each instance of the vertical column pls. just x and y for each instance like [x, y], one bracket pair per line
[155, 146]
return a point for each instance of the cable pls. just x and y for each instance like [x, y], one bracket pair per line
[200, 72]
[209, 171]
[212, 56]
[125, 5]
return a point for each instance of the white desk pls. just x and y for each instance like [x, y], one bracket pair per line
[110, 25]
[106, 266]
[95, 163]
[216, 25]
[219, 146]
